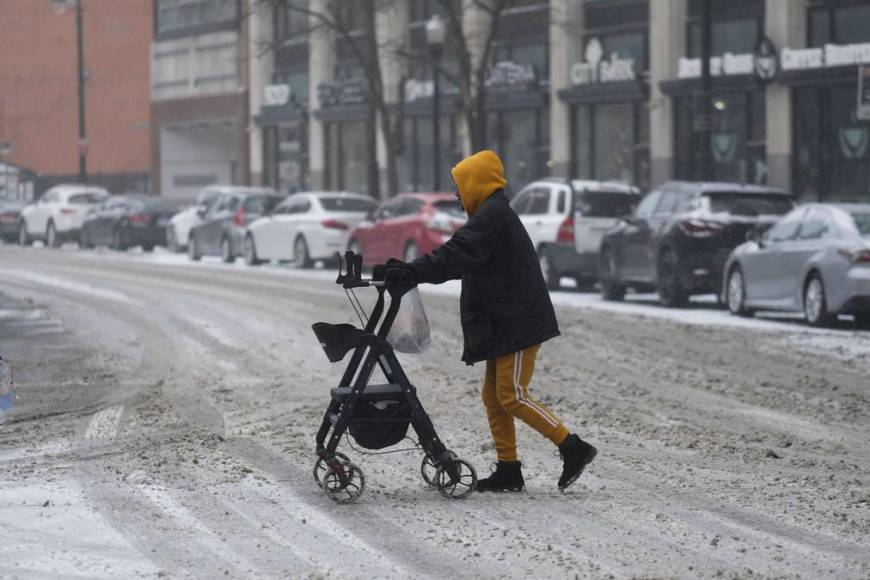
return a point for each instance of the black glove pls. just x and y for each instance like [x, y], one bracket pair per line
[400, 276]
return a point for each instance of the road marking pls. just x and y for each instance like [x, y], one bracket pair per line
[104, 425]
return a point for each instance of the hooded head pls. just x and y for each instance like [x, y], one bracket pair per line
[477, 177]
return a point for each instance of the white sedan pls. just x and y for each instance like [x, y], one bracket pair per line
[59, 214]
[306, 227]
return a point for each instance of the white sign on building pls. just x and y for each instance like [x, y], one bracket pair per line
[276, 95]
[597, 69]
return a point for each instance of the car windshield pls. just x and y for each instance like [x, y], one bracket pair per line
[86, 198]
[257, 205]
[749, 204]
[156, 205]
[347, 204]
[862, 222]
[610, 204]
[450, 207]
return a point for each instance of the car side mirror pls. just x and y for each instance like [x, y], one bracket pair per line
[201, 210]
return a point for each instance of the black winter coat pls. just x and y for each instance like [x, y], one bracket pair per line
[505, 306]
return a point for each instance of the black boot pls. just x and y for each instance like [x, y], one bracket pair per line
[576, 455]
[508, 476]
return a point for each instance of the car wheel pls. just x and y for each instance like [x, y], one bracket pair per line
[862, 319]
[51, 239]
[23, 238]
[551, 277]
[736, 293]
[172, 241]
[193, 249]
[815, 302]
[411, 252]
[118, 241]
[227, 254]
[671, 292]
[250, 251]
[300, 253]
[611, 289]
[147, 247]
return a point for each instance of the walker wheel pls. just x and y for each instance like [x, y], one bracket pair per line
[343, 482]
[455, 479]
[320, 467]
[428, 470]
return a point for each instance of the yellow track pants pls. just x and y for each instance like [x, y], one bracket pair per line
[506, 395]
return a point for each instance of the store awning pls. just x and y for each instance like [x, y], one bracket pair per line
[721, 84]
[276, 114]
[606, 92]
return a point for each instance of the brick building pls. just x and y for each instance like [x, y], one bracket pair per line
[38, 90]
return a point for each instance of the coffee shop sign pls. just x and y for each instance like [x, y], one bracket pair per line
[598, 69]
[790, 59]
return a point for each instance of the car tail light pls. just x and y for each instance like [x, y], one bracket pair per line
[566, 231]
[334, 224]
[8, 217]
[239, 217]
[138, 218]
[855, 256]
[700, 228]
[67, 210]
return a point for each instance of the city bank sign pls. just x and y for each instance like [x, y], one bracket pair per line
[761, 63]
[598, 69]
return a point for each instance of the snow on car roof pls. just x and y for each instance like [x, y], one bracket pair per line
[724, 187]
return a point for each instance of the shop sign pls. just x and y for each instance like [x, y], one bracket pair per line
[862, 113]
[598, 69]
[341, 93]
[510, 74]
[276, 95]
[828, 56]
[726, 65]
[415, 89]
[765, 62]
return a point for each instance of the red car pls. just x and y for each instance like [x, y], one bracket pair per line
[407, 226]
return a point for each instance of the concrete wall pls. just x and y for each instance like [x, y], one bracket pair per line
[666, 45]
[786, 25]
[566, 48]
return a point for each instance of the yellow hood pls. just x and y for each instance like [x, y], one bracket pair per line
[477, 177]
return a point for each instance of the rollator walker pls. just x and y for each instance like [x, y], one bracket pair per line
[376, 415]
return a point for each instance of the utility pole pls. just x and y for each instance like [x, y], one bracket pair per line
[703, 112]
[83, 139]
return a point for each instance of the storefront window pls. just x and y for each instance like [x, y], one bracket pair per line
[416, 162]
[737, 140]
[737, 25]
[285, 160]
[520, 137]
[291, 20]
[611, 142]
[838, 24]
[832, 147]
[347, 156]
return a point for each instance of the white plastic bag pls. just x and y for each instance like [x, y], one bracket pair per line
[410, 331]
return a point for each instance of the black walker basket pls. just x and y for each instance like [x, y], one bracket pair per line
[376, 415]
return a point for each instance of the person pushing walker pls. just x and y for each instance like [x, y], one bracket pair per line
[506, 315]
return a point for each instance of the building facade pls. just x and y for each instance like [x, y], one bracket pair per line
[199, 90]
[597, 89]
[39, 116]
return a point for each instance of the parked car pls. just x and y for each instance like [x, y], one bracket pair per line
[178, 229]
[566, 220]
[222, 229]
[680, 235]
[816, 259]
[407, 226]
[125, 221]
[58, 215]
[306, 227]
[10, 214]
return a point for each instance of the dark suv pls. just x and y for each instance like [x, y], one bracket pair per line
[680, 235]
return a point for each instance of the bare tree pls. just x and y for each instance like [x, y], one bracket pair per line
[472, 50]
[354, 24]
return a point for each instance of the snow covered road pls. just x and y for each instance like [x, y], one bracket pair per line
[165, 418]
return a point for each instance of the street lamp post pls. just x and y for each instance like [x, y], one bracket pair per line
[60, 6]
[435, 32]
